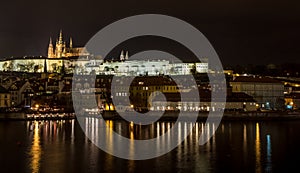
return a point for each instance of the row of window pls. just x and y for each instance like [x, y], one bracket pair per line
[157, 88]
[5, 96]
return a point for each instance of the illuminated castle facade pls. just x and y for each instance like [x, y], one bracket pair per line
[67, 59]
[62, 50]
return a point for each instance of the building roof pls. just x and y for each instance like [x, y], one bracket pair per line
[205, 96]
[293, 95]
[255, 79]
[17, 85]
[153, 81]
[67, 88]
[240, 97]
[3, 90]
[38, 87]
[53, 82]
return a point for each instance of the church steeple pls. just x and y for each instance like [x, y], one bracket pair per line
[59, 46]
[50, 49]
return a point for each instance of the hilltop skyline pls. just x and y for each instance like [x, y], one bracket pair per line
[242, 32]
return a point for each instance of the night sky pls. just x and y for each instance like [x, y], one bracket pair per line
[241, 31]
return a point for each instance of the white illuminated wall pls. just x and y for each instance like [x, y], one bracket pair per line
[118, 68]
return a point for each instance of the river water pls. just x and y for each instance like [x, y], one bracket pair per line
[61, 146]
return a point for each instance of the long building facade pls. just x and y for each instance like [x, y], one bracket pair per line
[268, 92]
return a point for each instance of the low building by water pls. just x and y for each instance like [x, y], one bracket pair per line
[268, 92]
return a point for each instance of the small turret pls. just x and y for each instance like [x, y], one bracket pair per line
[122, 56]
[126, 56]
[64, 48]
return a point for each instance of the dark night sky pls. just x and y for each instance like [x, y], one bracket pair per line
[241, 31]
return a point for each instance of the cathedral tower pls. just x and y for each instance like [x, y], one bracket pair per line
[62, 50]
[59, 46]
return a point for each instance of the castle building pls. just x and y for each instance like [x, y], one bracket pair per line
[61, 50]
[69, 59]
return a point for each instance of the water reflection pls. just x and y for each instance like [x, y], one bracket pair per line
[46, 133]
[61, 146]
[257, 149]
[36, 150]
[269, 155]
[245, 145]
[188, 150]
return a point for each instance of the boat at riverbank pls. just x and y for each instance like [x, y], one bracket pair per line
[50, 116]
[35, 116]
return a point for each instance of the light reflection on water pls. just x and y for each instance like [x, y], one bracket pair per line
[269, 155]
[61, 146]
[36, 150]
[257, 149]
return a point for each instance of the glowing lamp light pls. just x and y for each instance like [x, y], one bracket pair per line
[107, 107]
[111, 107]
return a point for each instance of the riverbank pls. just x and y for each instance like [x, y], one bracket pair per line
[259, 116]
[167, 116]
[202, 116]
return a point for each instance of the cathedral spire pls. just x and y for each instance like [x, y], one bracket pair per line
[71, 42]
[50, 43]
[60, 37]
[50, 49]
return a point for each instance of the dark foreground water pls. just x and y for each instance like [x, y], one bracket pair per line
[61, 146]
